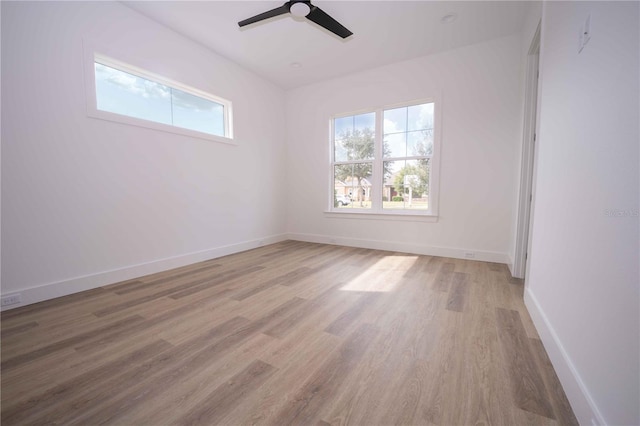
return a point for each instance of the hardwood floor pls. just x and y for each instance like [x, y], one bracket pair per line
[292, 333]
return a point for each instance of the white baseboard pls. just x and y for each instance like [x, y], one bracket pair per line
[584, 407]
[485, 256]
[48, 291]
[510, 266]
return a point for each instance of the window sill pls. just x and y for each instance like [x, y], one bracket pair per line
[362, 215]
[132, 121]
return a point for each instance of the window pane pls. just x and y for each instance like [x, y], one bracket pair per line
[354, 137]
[359, 144]
[364, 122]
[406, 185]
[341, 126]
[395, 145]
[395, 120]
[352, 185]
[420, 143]
[407, 147]
[126, 94]
[420, 117]
[196, 113]
[340, 151]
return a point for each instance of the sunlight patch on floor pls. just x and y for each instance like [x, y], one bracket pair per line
[383, 276]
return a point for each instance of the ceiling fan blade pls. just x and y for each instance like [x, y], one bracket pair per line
[321, 18]
[266, 15]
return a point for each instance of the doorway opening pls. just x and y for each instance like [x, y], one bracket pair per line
[525, 202]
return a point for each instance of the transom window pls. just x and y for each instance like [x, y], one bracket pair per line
[383, 161]
[127, 94]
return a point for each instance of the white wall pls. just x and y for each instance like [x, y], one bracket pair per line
[86, 201]
[533, 14]
[583, 283]
[481, 108]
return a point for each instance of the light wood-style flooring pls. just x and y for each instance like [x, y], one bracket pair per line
[291, 333]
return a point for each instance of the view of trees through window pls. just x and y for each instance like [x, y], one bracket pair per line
[408, 146]
[395, 166]
[354, 138]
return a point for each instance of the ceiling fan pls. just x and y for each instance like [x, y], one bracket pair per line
[302, 8]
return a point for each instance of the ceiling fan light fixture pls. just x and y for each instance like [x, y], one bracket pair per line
[300, 9]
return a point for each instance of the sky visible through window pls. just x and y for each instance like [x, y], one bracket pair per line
[408, 132]
[127, 94]
[348, 127]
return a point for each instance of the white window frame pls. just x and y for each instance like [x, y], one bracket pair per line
[93, 55]
[376, 211]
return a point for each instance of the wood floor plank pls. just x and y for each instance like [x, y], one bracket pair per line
[458, 292]
[443, 278]
[221, 401]
[106, 339]
[304, 310]
[55, 330]
[317, 391]
[312, 351]
[487, 383]
[366, 397]
[56, 303]
[189, 391]
[256, 306]
[62, 366]
[285, 279]
[57, 318]
[200, 283]
[10, 332]
[130, 303]
[18, 413]
[192, 362]
[408, 338]
[444, 369]
[46, 350]
[114, 398]
[344, 320]
[128, 286]
[143, 285]
[222, 279]
[290, 333]
[527, 385]
[418, 268]
[558, 399]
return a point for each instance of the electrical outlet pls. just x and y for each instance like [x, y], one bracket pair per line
[261, 242]
[332, 240]
[11, 299]
[469, 255]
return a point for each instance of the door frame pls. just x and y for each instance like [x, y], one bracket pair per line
[525, 202]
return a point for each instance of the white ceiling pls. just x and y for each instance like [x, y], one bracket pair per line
[384, 32]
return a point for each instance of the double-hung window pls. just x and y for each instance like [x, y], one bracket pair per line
[384, 161]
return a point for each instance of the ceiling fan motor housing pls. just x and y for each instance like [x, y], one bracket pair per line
[300, 8]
